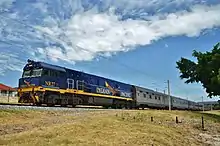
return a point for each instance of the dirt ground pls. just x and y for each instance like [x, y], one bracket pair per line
[114, 127]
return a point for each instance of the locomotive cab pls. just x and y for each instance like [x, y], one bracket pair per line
[37, 76]
[43, 83]
[30, 77]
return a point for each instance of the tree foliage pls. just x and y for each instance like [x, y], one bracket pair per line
[205, 71]
[217, 106]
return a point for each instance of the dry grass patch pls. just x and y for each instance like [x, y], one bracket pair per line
[16, 121]
[111, 128]
[102, 131]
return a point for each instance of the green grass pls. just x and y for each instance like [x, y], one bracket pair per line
[130, 128]
[214, 112]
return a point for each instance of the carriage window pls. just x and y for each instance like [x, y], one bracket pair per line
[156, 97]
[144, 95]
[159, 98]
[150, 96]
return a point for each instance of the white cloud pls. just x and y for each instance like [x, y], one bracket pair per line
[88, 34]
[10, 62]
[77, 30]
[142, 8]
[73, 31]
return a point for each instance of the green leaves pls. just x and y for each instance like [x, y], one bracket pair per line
[206, 70]
[188, 70]
[219, 76]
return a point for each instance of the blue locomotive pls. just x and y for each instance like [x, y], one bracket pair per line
[43, 83]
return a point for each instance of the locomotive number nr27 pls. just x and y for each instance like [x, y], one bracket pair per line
[49, 83]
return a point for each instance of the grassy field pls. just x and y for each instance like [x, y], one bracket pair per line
[214, 113]
[119, 128]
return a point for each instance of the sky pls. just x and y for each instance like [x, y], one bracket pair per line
[132, 41]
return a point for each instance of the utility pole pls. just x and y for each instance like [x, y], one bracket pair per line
[202, 104]
[187, 101]
[168, 82]
[8, 94]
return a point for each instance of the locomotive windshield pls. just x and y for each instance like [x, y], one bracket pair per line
[42, 72]
[32, 73]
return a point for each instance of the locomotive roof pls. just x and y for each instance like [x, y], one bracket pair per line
[64, 69]
[46, 65]
[38, 64]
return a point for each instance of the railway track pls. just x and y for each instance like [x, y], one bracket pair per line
[29, 106]
[58, 107]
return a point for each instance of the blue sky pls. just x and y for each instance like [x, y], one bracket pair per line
[134, 41]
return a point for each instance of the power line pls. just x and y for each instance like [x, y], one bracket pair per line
[168, 85]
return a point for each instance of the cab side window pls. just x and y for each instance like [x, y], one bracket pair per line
[52, 73]
[61, 74]
[45, 73]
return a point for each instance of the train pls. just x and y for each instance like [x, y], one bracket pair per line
[44, 83]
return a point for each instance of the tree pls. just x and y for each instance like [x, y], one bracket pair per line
[205, 71]
[217, 106]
